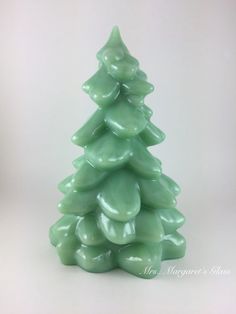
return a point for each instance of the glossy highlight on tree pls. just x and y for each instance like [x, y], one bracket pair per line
[119, 209]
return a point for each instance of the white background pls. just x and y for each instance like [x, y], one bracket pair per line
[47, 51]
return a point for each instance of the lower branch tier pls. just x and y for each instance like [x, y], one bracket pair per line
[140, 259]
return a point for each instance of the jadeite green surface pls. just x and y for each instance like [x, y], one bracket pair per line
[119, 209]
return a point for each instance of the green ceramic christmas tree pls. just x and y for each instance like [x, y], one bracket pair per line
[119, 209]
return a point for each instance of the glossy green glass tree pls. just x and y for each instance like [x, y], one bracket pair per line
[119, 209]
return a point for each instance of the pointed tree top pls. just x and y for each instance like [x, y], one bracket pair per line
[114, 42]
[115, 37]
